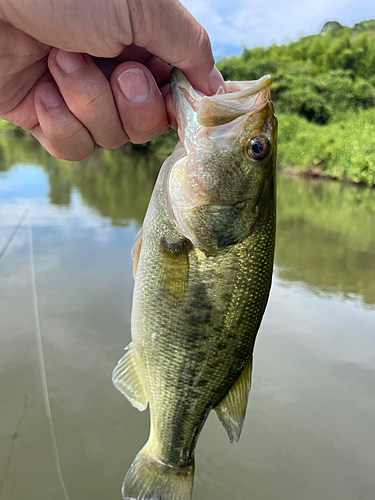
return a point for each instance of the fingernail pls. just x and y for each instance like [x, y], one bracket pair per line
[69, 61]
[51, 97]
[215, 80]
[134, 85]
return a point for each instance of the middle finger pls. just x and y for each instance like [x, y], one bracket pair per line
[88, 95]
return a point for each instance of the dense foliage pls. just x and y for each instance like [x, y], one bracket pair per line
[324, 95]
[318, 76]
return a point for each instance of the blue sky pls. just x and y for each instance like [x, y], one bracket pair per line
[231, 24]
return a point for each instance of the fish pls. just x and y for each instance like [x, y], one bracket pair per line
[203, 264]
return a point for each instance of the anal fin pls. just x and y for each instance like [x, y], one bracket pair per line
[232, 409]
[126, 379]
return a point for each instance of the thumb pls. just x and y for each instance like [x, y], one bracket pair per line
[166, 29]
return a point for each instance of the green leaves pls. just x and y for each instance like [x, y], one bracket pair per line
[318, 77]
[344, 149]
[324, 96]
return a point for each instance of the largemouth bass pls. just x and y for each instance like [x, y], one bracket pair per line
[203, 267]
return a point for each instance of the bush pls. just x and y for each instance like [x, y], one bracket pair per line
[343, 150]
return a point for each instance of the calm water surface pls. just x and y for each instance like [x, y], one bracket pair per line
[309, 431]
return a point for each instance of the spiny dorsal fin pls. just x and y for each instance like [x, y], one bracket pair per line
[232, 409]
[136, 251]
[126, 379]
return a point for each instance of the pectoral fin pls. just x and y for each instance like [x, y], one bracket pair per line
[232, 409]
[126, 379]
[174, 267]
[136, 251]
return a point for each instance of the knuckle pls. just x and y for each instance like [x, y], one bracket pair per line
[199, 45]
[70, 142]
[75, 155]
[91, 99]
[204, 41]
[114, 143]
[67, 133]
[145, 133]
[138, 23]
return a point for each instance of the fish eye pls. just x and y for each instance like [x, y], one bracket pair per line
[258, 147]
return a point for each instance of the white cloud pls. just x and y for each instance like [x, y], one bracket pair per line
[232, 24]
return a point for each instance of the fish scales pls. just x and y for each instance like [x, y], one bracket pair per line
[202, 282]
[203, 334]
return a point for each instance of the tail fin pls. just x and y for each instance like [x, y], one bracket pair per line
[149, 479]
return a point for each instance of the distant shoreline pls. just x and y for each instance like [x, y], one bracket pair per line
[315, 172]
[319, 175]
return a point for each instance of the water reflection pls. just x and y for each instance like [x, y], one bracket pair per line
[309, 425]
[325, 237]
[117, 184]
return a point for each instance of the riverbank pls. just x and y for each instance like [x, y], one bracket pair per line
[342, 151]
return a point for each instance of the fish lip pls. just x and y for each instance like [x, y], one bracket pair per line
[185, 101]
[179, 81]
[193, 110]
[250, 88]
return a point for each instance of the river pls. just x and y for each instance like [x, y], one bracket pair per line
[66, 232]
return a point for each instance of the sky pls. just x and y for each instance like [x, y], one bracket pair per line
[232, 24]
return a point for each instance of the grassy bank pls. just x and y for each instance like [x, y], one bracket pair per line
[324, 96]
[342, 149]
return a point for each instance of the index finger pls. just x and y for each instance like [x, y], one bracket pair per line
[166, 29]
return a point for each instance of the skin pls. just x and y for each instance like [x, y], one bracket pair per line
[79, 72]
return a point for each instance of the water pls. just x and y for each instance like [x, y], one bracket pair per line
[309, 431]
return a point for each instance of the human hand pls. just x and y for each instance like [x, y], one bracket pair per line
[75, 72]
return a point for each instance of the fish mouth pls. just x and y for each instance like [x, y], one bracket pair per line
[194, 110]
